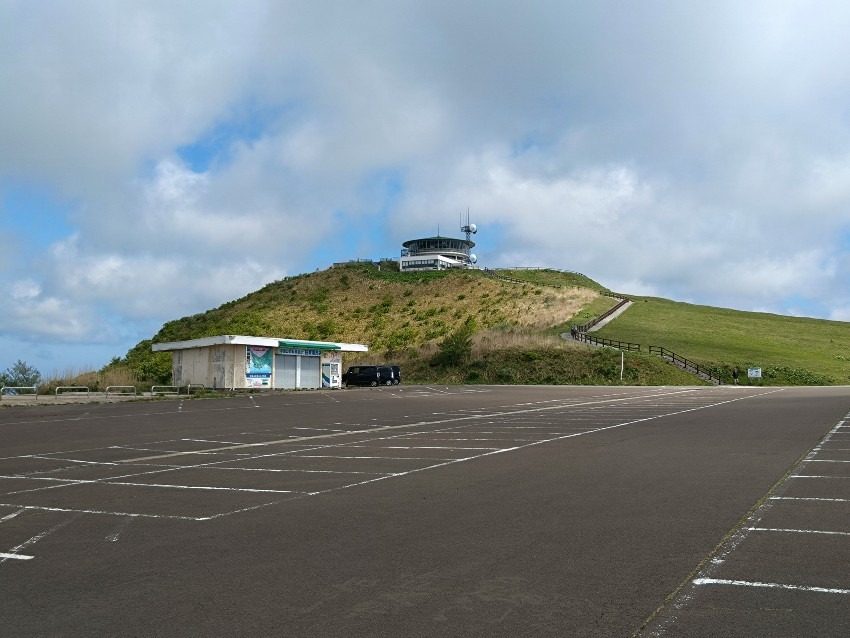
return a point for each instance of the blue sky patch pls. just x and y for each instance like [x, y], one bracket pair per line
[248, 124]
[32, 211]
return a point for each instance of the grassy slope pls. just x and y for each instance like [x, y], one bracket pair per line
[404, 317]
[383, 309]
[790, 350]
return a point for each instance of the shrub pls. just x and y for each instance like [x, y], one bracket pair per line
[456, 348]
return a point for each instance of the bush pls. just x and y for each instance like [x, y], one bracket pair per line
[456, 348]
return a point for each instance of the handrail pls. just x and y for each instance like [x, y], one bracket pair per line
[171, 389]
[587, 326]
[686, 364]
[123, 390]
[609, 343]
[34, 388]
[75, 389]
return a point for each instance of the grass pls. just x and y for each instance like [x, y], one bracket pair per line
[551, 277]
[530, 358]
[403, 317]
[385, 309]
[94, 380]
[790, 350]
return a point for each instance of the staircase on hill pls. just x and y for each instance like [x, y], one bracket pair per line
[580, 333]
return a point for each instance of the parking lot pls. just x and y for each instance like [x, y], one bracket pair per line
[413, 511]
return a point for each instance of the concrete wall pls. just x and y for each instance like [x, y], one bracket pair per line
[220, 366]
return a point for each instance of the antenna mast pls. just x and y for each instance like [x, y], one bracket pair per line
[469, 229]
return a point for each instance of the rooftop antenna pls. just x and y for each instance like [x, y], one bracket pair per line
[469, 229]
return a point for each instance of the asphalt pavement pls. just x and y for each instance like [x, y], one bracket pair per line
[417, 511]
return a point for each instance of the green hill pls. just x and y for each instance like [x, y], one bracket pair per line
[790, 350]
[467, 326]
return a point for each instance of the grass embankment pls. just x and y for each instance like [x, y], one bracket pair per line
[537, 360]
[790, 350]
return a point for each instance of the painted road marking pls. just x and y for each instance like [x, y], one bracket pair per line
[595, 404]
[14, 552]
[455, 419]
[809, 498]
[796, 531]
[71, 510]
[747, 583]
[17, 556]
[680, 599]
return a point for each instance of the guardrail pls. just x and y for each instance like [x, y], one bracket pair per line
[166, 389]
[685, 364]
[608, 343]
[73, 389]
[189, 387]
[121, 390]
[15, 388]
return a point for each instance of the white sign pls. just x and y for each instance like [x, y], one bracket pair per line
[754, 373]
[304, 352]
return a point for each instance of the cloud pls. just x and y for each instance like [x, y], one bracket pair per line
[27, 312]
[200, 150]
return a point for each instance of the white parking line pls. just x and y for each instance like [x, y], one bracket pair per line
[43, 508]
[14, 552]
[680, 599]
[747, 583]
[809, 498]
[312, 441]
[797, 531]
[17, 556]
[421, 447]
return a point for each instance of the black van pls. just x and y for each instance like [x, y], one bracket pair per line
[396, 374]
[372, 375]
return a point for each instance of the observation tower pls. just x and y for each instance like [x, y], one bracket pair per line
[439, 253]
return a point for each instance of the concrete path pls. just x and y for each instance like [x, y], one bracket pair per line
[613, 315]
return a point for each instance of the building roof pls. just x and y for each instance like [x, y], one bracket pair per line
[272, 342]
[444, 240]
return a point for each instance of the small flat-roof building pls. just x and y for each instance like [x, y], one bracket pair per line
[243, 362]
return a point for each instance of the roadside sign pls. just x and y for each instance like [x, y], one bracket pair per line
[754, 373]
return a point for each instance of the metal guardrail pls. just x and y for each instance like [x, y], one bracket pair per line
[683, 363]
[189, 387]
[73, 389]
[165, 389]
[15, 388]
[121, 390]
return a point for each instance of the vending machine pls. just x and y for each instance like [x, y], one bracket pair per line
[331, 370]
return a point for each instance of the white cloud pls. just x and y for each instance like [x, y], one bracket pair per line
[840, 314]
[690, 150]
[26, 289]
[48, 317]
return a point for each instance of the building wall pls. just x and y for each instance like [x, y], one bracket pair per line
[224, 367]
[213, 366]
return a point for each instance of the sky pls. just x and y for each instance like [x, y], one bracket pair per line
[161, 157]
